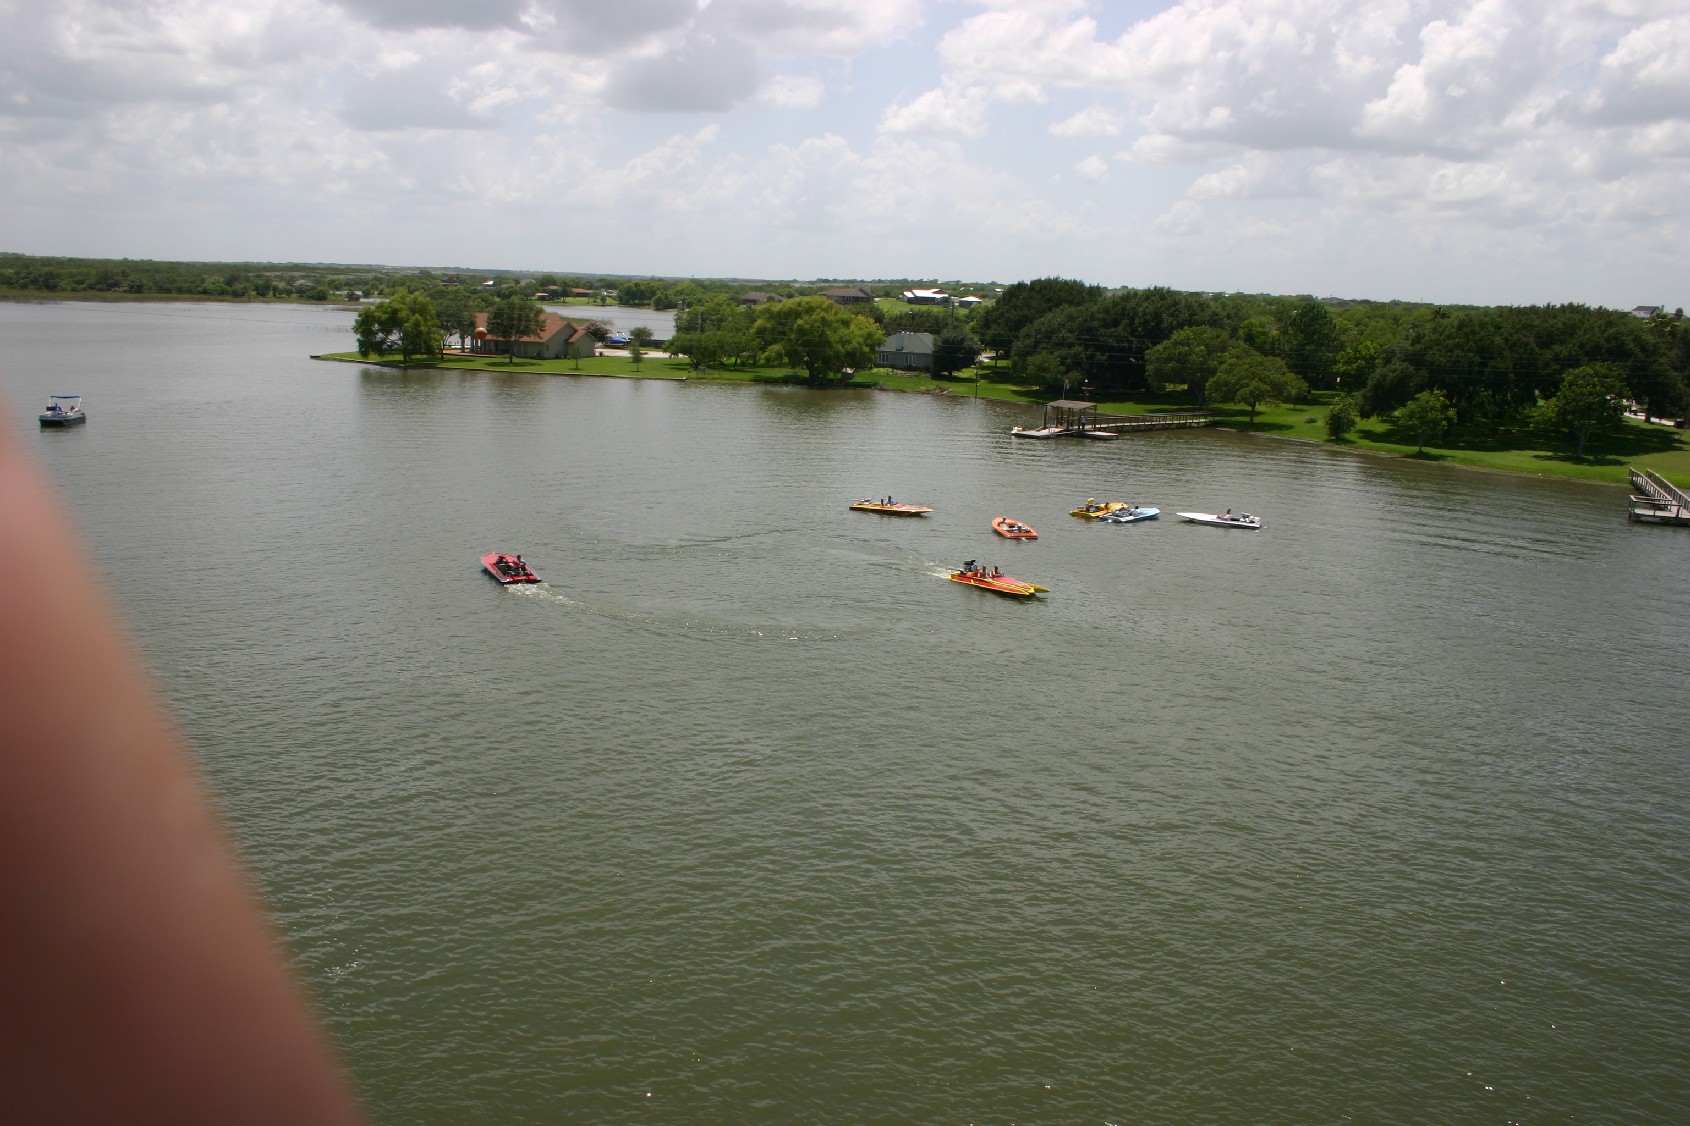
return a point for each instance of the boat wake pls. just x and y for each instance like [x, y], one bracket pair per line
[677, 626]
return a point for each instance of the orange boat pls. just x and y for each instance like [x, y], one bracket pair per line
[994, 580]
[1012, 529]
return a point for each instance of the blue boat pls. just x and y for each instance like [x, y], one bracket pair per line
[1131, 514]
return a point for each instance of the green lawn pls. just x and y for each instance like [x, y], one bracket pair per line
[1510, 449]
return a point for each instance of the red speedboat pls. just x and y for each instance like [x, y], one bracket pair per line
[508, 569]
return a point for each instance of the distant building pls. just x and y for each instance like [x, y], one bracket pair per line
[758, 298]
[849, 295]
[557, 338]
[967, 302]
[909, 351]
[1644, 312]
[926, 297]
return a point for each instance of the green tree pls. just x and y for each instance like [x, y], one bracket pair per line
[1426, 414]
[716, 314]
[514, 315]
[639, 336]
[1357, 363]
[455, 309]
[636, 353]
[405, 323]
[1047, 372]
[1106, 341]
[954, 349]
[1590, 398]
[1025, 302]
[1190, 356]
[1246, 376]
[1311, 339]
[374, 327]
[815, 334]
[702, 349]
[1262, 334]
[1341, 419]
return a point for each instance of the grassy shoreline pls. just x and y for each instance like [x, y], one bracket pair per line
[1505, 449]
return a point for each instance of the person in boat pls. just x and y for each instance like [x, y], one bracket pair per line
[997, 572]
[1227, 515]
[969, 567]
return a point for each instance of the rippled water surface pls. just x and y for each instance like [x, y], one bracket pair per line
[747, 815]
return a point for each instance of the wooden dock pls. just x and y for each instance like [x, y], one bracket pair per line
[1067, 418]
[1657, 501]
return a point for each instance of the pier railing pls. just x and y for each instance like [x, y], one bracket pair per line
[1165, 421]
[1657, 500]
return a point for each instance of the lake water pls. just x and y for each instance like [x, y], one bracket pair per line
[747, 815]
[622, 317]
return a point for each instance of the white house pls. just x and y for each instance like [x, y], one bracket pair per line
[926, 297]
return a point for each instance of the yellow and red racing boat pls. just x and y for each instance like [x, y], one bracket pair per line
[994, 580]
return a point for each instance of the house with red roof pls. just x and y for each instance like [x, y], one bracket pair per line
[557, 338]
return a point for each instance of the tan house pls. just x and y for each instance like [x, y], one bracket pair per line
[557, 338]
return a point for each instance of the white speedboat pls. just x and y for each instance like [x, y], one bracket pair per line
[63, 410]
[1227, 519]
[1131, 514]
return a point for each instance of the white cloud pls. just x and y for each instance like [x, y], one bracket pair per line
[1093, 121]
[952, 111]
[789, 91]
[1646, 77]
[1093, 170]
[1257, 176]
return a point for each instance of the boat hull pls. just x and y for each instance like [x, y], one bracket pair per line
[1012, 529]
[1098, 511]
[501, 567]
[1222, 521]
[890, 509]
[999, 584]
[1132, 516]
[62, 418]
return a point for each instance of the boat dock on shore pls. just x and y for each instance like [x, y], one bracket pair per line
[1657, 501]
[1069, 418]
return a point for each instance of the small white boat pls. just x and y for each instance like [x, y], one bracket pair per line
[1131, 514]
[1227, 519]
[63, 410]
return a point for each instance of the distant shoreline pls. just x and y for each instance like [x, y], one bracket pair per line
[50, 297]
[1607, 465]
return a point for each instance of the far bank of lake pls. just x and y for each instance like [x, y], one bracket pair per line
[1506, 449]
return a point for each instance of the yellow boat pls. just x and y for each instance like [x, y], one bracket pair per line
[891, 509]
[1093, 510]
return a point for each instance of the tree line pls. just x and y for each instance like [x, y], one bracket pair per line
[828, 342]
[1570, 368]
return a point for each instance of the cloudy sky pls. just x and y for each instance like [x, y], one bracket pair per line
[1484, 151]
